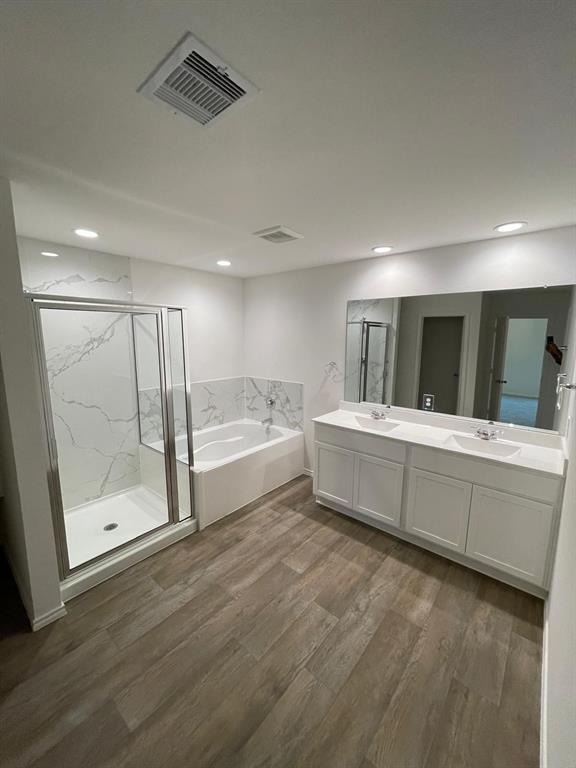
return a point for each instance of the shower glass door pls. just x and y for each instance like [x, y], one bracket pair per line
[374, 345]
[107, 396]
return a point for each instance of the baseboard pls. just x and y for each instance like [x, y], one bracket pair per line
[309, 472]
[544, 693]
[48, 617]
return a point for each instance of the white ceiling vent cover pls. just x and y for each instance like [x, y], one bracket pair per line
[195, 82]
[278, 234]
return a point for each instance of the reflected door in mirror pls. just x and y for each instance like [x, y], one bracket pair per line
[440, 361]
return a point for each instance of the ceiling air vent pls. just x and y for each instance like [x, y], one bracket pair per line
[278, 234]
[195, 82]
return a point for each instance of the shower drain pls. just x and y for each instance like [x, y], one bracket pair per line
[111, 526]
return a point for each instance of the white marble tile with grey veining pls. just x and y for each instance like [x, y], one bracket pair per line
[288, 406]
[280, 401]
[217, 401]
[95, 415]
[74, 272]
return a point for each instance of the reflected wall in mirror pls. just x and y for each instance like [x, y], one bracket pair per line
[490, 355]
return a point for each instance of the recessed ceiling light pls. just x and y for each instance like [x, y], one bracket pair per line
[382, 249]
[89, 233]
[51, 254]
[224, 263]
[510, 226]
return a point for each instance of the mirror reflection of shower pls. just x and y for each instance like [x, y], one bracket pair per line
[370, 342]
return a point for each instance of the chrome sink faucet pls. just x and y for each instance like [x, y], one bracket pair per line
[488, 434]
[378, 415]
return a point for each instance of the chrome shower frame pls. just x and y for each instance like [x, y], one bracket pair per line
[37, 302]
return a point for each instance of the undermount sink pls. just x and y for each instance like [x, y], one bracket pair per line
[488, 447]
[382, 425]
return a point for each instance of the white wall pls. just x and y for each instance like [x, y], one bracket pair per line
[295, 322]
[559, 699]
[215, 313]
[26, 519]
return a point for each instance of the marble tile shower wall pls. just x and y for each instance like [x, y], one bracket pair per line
[74, 272]
[95, 417]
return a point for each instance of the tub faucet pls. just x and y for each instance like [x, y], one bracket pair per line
[267, 422]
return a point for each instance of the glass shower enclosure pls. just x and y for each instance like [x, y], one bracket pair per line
[116, 396]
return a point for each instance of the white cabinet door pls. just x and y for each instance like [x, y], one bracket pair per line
[378, 491]
[437, 508]
[509, 533]
[334, 474]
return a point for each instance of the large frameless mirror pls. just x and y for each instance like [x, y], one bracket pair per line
[490, 355]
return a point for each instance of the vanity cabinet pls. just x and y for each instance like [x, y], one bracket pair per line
[368, 484]
[378, 490]
[495, 517]
[437, 509]
[334, 476]
[509, 533]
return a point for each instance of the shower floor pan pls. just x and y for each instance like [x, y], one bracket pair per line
[100, 526]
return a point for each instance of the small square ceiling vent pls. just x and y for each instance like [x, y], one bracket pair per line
[195, 82]
[278, 234]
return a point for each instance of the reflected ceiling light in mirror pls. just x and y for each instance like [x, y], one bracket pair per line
[90, 234]
[224, 263]
[382, 249]
[50, 254]
[510, 226]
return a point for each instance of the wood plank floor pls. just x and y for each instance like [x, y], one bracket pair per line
[285, 635]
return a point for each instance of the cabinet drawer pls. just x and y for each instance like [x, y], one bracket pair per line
[378, 491]
[510, 533]
[437, 508]
[334, 474]
[361, 443]
[475, 470]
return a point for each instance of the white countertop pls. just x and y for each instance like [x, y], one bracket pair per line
[462, 442]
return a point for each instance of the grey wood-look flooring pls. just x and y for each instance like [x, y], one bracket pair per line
[285, 635]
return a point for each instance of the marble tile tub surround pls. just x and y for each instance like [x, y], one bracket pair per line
[222, 400]
[219, 401]
[288, 396]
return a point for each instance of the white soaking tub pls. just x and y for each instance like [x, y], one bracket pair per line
[238, 462]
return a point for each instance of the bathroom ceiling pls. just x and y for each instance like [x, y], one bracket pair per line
[414, 124]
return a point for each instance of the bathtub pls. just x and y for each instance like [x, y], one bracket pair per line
[234, 464]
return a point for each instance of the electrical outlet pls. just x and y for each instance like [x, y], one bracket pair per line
[427, 402]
